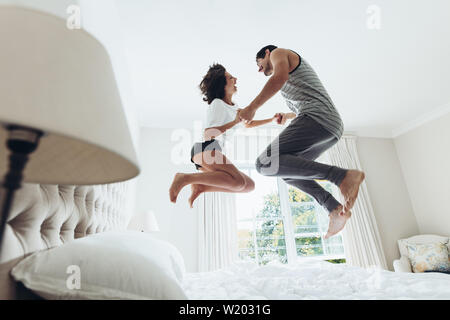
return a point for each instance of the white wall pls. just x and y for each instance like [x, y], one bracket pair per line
[101, 19]
[177, 222]
[424, 155]
[388, 192]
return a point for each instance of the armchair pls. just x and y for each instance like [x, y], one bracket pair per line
[403, 264]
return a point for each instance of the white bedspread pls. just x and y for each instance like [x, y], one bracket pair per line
[313, 280]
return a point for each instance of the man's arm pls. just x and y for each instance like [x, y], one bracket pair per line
[280, 62]
[290, 115]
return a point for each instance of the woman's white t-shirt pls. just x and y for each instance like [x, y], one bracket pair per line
[218, 114]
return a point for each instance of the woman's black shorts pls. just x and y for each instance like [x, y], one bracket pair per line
[199, 147]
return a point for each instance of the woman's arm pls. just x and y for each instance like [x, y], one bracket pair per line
[213, 132]
[256, 123]
[280, 119]
[285, 116]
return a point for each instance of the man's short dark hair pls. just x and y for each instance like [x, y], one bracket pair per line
[262, 53]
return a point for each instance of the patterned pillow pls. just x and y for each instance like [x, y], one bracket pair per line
[429, 256]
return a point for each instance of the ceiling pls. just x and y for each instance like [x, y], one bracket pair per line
[379, 79]
[383, 81]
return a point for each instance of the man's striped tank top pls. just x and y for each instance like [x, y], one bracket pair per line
[305, 94]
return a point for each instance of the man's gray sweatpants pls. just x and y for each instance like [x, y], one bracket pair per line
[291, 156]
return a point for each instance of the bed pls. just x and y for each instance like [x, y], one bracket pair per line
[45, 218]
[49, 222]
[48, 216]
[313, 280]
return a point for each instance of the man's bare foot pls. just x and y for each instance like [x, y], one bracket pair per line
[177, 185]
[350, 187]
[197, 189]
[338, 218]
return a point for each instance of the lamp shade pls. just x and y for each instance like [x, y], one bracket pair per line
[61, 81]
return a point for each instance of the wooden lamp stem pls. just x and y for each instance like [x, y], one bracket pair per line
[21, 142]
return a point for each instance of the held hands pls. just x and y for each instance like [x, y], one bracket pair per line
[238, 116]
[247, 114]
[280, 118]
[277, 117]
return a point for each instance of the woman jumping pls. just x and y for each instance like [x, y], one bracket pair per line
[218, 174]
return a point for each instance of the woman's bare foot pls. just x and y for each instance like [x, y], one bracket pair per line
[177, 185]
[350, 187]
[197, 189]
[338, 218]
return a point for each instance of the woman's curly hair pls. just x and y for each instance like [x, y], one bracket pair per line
[213, 83]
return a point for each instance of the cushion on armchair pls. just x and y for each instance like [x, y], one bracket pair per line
[404, 263]
[429, 256]
[421, 239]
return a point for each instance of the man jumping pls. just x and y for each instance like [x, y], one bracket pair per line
[316, 126]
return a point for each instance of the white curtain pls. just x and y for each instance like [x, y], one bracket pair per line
[361, 238]
[217, 230]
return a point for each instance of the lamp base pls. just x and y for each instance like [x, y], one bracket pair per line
[21, 142]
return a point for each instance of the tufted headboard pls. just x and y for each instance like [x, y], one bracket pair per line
[45, 216]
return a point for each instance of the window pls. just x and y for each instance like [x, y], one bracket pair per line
[261, 230]
[280, 222]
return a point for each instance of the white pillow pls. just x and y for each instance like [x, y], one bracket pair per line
[109, 265]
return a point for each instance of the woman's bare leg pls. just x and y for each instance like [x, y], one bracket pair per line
[221, 173]
[198, 189]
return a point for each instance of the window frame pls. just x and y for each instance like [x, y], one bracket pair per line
[288, 226]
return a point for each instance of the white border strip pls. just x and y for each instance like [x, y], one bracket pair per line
[437, 113]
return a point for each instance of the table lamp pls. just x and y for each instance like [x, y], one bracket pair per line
[61, 117]
[149, 222]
